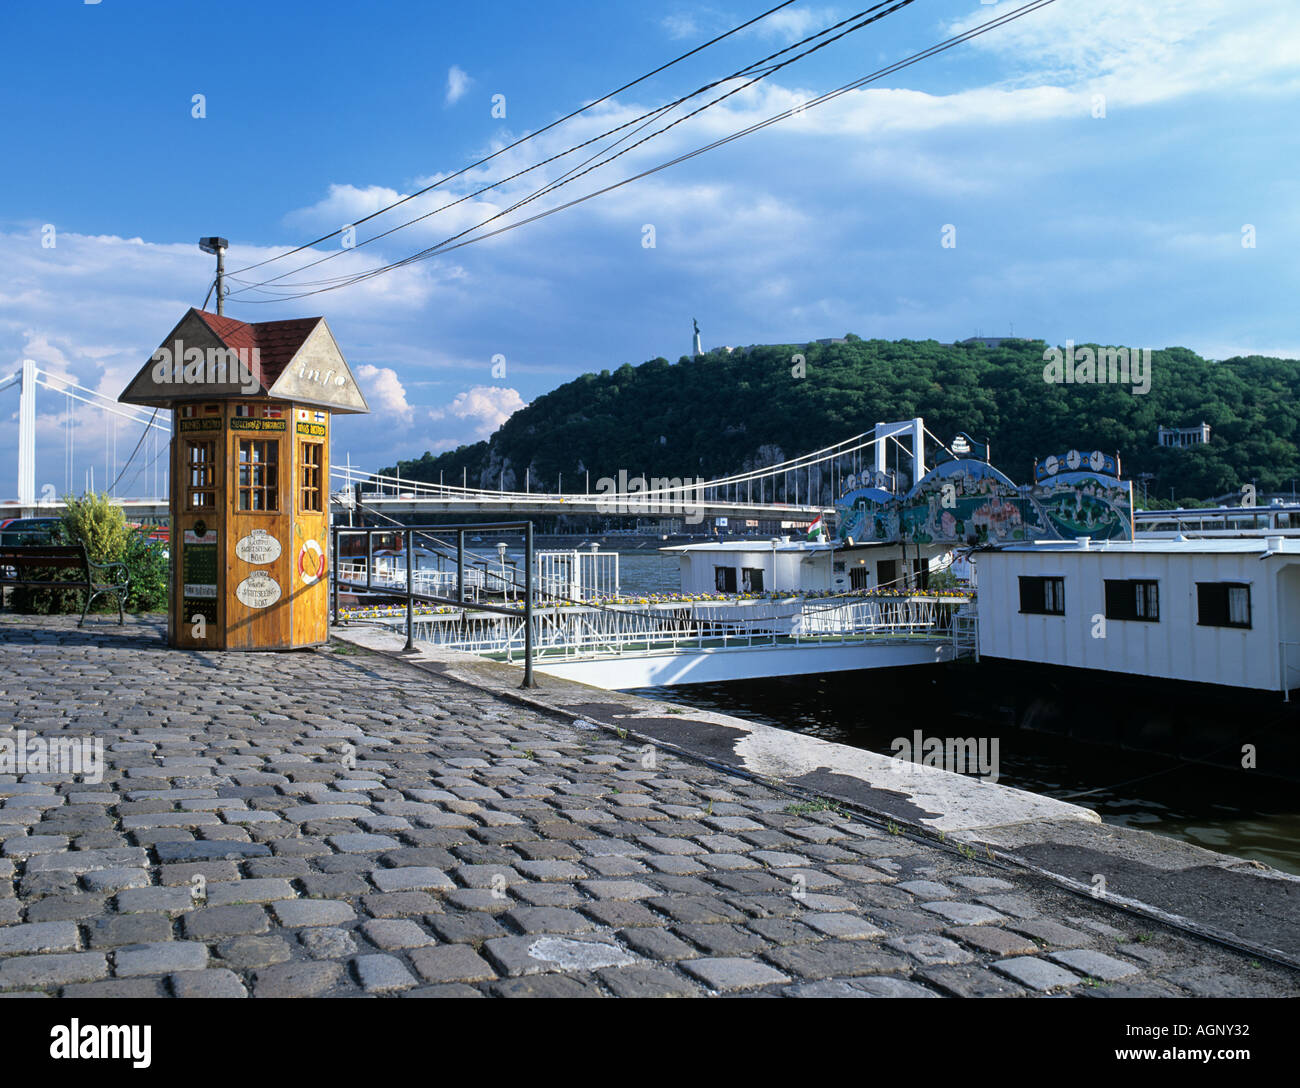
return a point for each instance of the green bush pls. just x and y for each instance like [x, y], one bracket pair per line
[98, 523]
[944, 579]
[95, 521]
[149, 569]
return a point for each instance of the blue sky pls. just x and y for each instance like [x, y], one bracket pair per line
[1124, 228]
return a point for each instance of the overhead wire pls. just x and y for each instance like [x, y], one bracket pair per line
[458, 241]
[532, 135]
[645, 118]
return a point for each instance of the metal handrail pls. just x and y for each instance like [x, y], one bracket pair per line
[408, 532]
[578, 631]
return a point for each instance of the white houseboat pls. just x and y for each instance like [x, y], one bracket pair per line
[1222, 611]
[783, 565]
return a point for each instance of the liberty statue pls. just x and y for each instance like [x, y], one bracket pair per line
[698, 349]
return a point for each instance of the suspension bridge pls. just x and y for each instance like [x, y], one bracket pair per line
[572, 629]
[130, 457]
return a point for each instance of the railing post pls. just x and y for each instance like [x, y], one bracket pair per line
[370, 560]
[334, 572]
[529, 682]
[410, 598]
[460, 566]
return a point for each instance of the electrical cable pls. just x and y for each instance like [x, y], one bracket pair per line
[552, 186]
[445, 247]
[532, 135]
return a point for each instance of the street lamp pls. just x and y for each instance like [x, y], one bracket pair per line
[219, 247]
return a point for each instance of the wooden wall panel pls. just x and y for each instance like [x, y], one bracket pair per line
[272, 592]
[262, 620]
[309, 575]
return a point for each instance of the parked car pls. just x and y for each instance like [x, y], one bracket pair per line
[26, 531]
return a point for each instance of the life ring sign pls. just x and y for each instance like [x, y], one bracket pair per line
[311, 562]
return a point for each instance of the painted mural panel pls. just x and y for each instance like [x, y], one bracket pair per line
[965, 500]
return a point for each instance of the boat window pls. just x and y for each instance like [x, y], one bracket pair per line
[1223, 604]
[1132, 599]
[1042, 596]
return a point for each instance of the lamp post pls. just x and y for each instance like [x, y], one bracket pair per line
[501, 556]
[219, 247]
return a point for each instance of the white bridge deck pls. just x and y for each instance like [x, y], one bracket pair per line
[618, 646]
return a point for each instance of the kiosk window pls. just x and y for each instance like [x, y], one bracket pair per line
[312, 462]
[259, 474]
[200, 475]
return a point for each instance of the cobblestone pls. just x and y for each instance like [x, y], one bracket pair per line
[382, 974]
[725, 973]
[159, 958]
[1037, 974]
[468, 869]
[451, 963]
[215, 982]
[38, 937]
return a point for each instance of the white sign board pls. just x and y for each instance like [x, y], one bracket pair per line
[258, 547]
[258, 590]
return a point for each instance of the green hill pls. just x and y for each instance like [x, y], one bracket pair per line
[724, 412]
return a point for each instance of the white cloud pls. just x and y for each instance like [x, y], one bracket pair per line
[457, 84]
[1150, 52]
[680, 26]
[485, 406]
[384, 391]
[795, 24]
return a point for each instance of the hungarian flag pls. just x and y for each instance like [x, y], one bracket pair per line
[817, 530]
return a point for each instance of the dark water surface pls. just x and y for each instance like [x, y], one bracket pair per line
[1248, 817]
[1257, 818]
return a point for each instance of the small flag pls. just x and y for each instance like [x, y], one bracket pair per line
[272, 411]
[303, 416]
[212, 409]
[187, 411]
[817, 530]
[321, 417]
[245, 410]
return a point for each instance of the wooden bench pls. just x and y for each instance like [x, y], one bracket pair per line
[24, 566]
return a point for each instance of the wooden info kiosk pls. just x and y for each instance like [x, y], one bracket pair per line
[249, 476]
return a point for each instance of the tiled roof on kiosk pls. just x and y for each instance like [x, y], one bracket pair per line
[277, 341]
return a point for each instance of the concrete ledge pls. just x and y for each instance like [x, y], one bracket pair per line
[1239, 902]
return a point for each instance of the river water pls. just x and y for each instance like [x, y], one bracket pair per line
[1254, 818]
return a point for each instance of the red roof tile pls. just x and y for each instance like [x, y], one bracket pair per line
[277, 342]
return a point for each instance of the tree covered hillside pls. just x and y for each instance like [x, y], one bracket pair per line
[722, 413]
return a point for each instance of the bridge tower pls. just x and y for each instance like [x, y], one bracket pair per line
[912, 427]
[249, 476]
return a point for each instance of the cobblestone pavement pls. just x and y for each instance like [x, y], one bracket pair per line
[334, 823]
